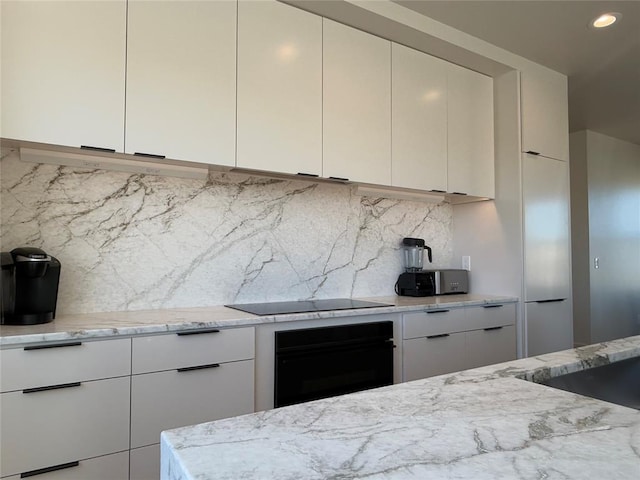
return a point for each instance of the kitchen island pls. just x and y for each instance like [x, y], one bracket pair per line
[488, 422]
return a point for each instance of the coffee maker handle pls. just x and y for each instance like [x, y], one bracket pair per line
[428, 253]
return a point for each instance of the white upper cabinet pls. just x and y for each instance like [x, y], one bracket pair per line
[356, 105]
[470, 133]
[63, 72]
[181, 80]
[419, 120]
[279, 88]
[545, 117]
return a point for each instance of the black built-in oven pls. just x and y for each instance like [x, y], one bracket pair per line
[316, 363]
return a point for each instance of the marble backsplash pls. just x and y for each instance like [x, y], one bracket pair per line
[131, 241]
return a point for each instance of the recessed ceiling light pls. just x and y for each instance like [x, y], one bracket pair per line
[605, 20]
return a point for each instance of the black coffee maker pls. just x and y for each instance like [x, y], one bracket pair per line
[29, 285]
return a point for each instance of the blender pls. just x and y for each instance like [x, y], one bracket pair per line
[415, 282]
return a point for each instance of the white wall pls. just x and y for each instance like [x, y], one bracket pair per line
[610, 203]
[130, 242]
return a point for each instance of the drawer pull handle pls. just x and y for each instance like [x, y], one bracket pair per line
[51, 387]
[149, 155]
[98, 149]
[492, 328]
[492, 306]
[55, 468]
[339, 179]
[199, 367]
[551, 301]
[60, 345]
[531, 152]
[198, 332]
[442, 335]
[302, 174]
[436, 311]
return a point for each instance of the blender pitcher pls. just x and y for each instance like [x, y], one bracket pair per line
[413, 250]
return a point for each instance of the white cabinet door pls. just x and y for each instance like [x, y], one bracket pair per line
[107, 467]
[145, 463]
[549, 327]
[40, 429]
[435, 355]
[470, 133]
[63, 72]
[175, 398]
[181, 81]
[545, 117]
[547, 253]
[419, 120]
[279, 88]
[490, 345]
[356, 105]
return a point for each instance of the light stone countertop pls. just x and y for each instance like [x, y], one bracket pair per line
[113, 324]
[483, 423]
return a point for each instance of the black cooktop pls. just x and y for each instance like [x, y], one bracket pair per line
[304, 306]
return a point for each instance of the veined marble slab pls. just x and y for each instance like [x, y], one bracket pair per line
[110, 324]
[427, 429]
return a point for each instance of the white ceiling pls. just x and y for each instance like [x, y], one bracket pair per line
[603, 66]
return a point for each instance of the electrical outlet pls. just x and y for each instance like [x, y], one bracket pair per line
[466, 262]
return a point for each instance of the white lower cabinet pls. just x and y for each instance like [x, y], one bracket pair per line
[490, 345]
[436, 342]
[49, 426]
[107, 467]
[175, 398]
[145, 463]
[433, 355]
[183, 379]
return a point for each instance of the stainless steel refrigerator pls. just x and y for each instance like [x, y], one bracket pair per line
[547, 258]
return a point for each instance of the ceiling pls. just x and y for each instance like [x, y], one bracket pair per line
[603, 66]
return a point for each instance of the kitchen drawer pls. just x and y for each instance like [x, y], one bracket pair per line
[72, 361]
[434, 322]
[426, 357]
[145, 463]
[170, 399]
[52, 427]
[488, 316]
[192, 348]
[492, 345]
[108, 467]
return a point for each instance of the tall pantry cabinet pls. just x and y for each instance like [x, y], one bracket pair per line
[546, 226]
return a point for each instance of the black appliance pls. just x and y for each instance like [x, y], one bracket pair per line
[29, 286]
[322, 362]
[415, 282]
[303, 306]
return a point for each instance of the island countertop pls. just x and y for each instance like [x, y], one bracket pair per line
[144, 322]
[482, 423]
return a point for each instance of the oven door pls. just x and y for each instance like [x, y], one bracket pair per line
[341, 361]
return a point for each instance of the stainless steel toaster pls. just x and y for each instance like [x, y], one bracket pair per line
[449, 281]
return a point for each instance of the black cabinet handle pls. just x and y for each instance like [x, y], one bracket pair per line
[302, 174]
[429, 312]
[492, 306]
[59, 345]
[199, 367]
[98, 149]
[198, 332]
[442, 335]
[438, 191]
[149, 155]
[459, 193]
[554, 300]
[341, 179]
[55, 468]
[531, 152]
[51, 387]
[491, 329]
